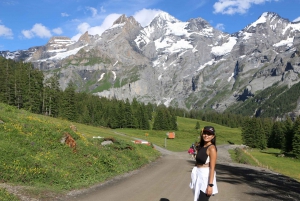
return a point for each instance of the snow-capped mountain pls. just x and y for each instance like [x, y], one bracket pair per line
[183, 64]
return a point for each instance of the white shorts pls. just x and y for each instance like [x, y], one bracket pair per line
[199, 181]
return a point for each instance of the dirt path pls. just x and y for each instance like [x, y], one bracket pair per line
[167, 179]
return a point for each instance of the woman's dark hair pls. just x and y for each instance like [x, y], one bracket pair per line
[213, 141]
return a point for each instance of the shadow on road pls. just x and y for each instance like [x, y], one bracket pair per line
[264, 183]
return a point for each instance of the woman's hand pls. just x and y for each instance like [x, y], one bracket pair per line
[209, 191]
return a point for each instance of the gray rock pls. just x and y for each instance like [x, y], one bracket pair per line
[104, 143]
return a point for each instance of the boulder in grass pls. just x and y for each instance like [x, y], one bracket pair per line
[106, 142]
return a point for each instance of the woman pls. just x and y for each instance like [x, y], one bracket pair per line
[203, 175]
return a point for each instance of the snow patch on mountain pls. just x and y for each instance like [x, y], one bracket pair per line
[101, 77]
[116, 63]
[64, 54]
[230, 77]
[288, 42]
[172, 46]
[167, 101]
[115, 75]
[246, 35]
[292, 26]
[225, 48]
[211, 62]
[208, 32]
[57, 50]
[262, 19]
[116, 26]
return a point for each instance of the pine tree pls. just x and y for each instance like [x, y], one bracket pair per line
[158, 120]
[277, 138]
[296, 143]
[267, 125]
[68, 101]
[197, 125]
[253, 133]
[247, 133]
[149, 110]
[288, 134]
[296, 126]
[260, 136]
[121, 114]
[51, 96]
[113, 117]
[144, 120]
[174, 122]
[131, 121]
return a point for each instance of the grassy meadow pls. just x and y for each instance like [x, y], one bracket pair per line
[186, 134]
[283, 165]
[32, 153]
[33, 156]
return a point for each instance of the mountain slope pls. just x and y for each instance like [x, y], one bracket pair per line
[183, 64]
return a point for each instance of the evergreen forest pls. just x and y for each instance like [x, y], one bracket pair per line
[26, 88]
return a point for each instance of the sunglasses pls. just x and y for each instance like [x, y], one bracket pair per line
[206, 133]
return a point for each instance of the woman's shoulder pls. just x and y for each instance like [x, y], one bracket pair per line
[212, 147]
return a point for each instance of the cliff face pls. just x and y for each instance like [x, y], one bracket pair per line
[182, 64]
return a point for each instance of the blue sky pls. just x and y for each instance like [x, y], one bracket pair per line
[24, 24]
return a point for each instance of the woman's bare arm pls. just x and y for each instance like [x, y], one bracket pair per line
[212, 153]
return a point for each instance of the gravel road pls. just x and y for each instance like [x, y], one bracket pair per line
[167, 179]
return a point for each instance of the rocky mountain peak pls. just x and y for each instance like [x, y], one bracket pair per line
[59, 39]
[122, 19]
[187, 64]
[125, 20]
[58, 42]
[268, 19]
[162, 19]
[198, 24]
[85, 37]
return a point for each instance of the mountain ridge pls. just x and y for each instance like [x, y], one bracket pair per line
[189, 64]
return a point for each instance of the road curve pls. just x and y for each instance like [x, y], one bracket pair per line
[167, 179]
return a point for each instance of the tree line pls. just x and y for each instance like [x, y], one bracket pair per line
[262, 133]
[26, 88]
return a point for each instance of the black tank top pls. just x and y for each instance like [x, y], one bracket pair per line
[202, 156]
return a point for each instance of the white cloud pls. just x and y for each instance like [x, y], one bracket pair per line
[65, 15]
[102, 10]
[220, 26]
[107, 23]
[6, 32]
[38, 30]
[145, 16]
[297, 19]
[231, 7]
[93, 10]
[57, 31]
[27, 34]
[83, 27]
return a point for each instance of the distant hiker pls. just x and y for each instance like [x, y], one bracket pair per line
[191, 151]
[203, 176]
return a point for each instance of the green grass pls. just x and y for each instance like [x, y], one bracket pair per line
[32, 154]
[239, 156]
[269, 159]
[284, 165]
[6, 196]
[186, 134]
